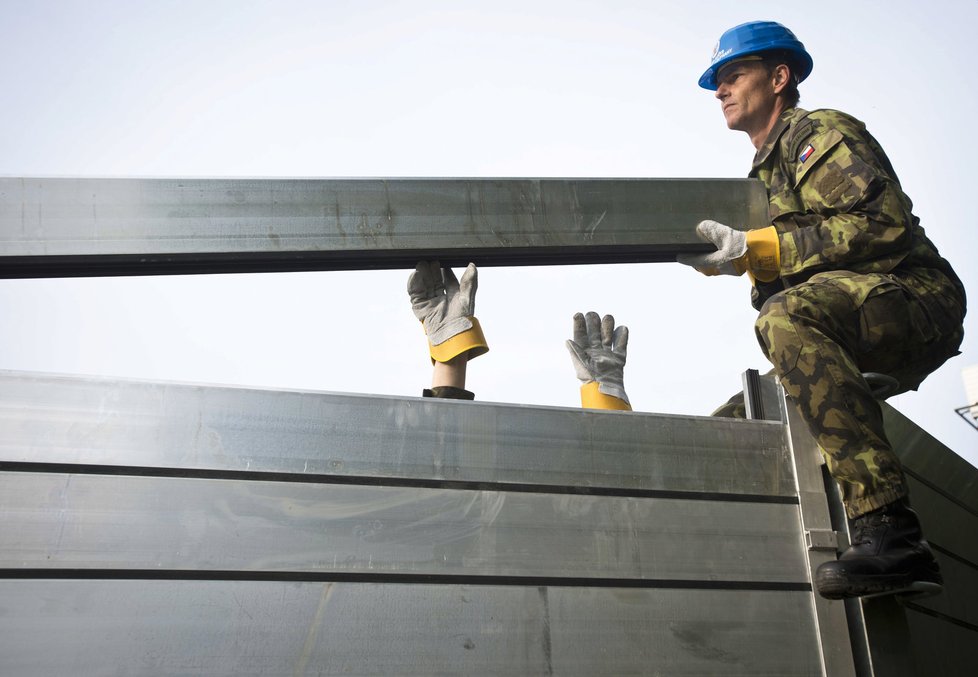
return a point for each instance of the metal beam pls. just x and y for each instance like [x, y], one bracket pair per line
[117, 523]
[52, 419]
[59, 227]
[230, 628]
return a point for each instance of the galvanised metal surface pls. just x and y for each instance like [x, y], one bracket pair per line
[80, 420]
[931, 635]
[234, 628]
[57, 227]
[163, 528]
[836, 651]
[52, 520]
[951, 531]
[929, 460]
[942, 631]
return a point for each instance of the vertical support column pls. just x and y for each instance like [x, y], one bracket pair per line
[753, 399]
[820, 539]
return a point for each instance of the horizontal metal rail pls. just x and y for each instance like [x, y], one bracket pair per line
[218, 628]
[118, 522]
[63, 227]
[208, 432]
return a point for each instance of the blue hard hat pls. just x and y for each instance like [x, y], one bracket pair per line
[757, 37]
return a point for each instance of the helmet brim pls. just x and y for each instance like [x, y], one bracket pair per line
[801, 65]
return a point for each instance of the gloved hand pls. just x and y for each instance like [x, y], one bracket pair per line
[446, 308]
[598, 351]
[730, 256]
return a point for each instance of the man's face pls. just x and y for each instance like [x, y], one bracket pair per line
[747, 95]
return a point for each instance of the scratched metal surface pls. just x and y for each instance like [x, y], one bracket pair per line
[938, 635]
[215, 628]
[56, 520]
[180, 529]
[92, 226]
[72, 419]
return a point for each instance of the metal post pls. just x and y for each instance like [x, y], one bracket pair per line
[821, 542]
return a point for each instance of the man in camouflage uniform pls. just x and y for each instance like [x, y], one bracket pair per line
[846, 282]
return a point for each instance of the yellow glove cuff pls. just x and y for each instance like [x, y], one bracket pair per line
[593, 398]
[764, 254]
[471, 340]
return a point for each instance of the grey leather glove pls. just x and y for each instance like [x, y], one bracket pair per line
[728, 259]
[442, 303]
[445, 307]
[598, 351]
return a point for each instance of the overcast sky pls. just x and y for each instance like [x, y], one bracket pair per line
[452, 89]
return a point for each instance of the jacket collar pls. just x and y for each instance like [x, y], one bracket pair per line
[785, 120]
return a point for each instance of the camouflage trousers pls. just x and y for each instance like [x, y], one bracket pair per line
[822, 334]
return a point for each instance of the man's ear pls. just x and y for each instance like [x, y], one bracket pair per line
[781, 77]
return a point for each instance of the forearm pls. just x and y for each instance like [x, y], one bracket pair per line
[815, 242]
[450, 373]
[448, 380]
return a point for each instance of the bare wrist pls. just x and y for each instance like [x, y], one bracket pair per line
[450, 373]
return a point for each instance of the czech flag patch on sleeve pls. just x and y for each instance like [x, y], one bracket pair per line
[807, 153]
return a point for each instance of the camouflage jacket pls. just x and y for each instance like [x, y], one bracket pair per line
[836, 202]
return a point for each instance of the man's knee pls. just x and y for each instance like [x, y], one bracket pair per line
[806, 314]
[775, 327]
[735, 407]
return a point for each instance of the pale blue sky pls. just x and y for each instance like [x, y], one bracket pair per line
[508, 89]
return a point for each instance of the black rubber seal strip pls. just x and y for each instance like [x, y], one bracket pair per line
[397, 578]
[370, 480]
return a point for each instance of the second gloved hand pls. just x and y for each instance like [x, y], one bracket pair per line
[598, 351]
[446, 308]
[729, 258]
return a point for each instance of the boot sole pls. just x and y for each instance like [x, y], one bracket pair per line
[836, 585]
[916, 590]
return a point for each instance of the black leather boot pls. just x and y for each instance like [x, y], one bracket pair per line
[888, 555]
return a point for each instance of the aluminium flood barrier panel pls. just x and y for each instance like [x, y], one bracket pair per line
[167, 528]
[936, 635]
[62, 227]
[153, 528]
[205, 530]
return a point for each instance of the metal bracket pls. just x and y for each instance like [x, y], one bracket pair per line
[752, 394]
[822, 539]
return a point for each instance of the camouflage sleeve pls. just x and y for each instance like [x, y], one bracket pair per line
[855, 210]
[448, 393]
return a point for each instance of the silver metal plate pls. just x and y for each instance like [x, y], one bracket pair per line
[56, 227]
[51, 419]
[89, 628]
[52, 520]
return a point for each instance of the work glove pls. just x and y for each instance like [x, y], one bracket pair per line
[730, 258]
[446, 309]
[598, 351]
